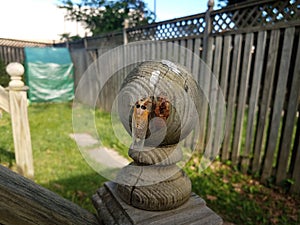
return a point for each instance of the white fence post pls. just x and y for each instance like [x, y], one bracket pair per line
[19, 118]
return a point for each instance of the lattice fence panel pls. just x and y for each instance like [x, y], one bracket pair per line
[261, 14]
[186, 27]
[255, 14]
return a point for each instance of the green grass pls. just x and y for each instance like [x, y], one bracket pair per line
[60, 167]
[240, 199]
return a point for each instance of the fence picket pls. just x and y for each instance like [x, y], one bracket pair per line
[196, 60]
[232, 94]
[265, 102]
[242, 99]
[295, 188]
[204, 82]
[253, 102]
[212, 141]
[189, 55]
[223, 83]
[288, 129]
[278, 104]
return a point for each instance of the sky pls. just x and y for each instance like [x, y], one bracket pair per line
[41, 20]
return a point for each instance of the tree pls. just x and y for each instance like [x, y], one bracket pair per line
[102, 16]
[223, 3]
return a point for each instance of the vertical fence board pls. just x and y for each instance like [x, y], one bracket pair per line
[253, 102]
[266, 98]
[204, 82]
[196, 60]
[242, 99]
[214, 89]
[182, 53]
[223, 83]
[295, 188]
[288, 129]
[189, 140]
[189, 56]
[278, 104]
[2, 58]
[232, 94]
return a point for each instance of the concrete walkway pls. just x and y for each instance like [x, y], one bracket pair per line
[102, 155]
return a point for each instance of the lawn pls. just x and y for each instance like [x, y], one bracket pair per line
[60, 167]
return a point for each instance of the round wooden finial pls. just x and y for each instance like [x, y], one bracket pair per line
[160, 111]
[15, 70]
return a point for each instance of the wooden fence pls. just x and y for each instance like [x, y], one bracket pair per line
[13, 50]
[253, 50]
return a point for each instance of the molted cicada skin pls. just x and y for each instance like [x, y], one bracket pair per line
[140, 118]
[151, 109]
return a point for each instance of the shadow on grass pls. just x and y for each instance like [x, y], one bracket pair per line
[7, 157]
[78, 189]
[237, 198]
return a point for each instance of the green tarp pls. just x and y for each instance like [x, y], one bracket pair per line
[49, 74]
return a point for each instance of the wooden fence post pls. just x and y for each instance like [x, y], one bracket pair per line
[126, 25]
[19, 119]
[208, 28]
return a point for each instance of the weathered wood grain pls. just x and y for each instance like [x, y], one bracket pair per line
[24, 202]
[114, 210]
[291, 117]
[242, 99]
[21, 133]
[253, 102]
[278, 103]
[265, 102]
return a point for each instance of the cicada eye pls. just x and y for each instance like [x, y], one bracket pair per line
[138, 106]
[143, 107]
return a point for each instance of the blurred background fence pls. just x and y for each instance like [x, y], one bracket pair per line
[253, 50]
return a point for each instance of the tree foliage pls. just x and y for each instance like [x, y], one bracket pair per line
[224, 3]
[4, 77]
[101, 16]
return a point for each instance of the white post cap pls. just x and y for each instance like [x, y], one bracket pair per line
[15, 70]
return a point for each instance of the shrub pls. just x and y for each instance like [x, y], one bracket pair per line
[4, 77]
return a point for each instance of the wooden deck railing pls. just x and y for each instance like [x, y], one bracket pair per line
[24, 202]
[13, 100]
